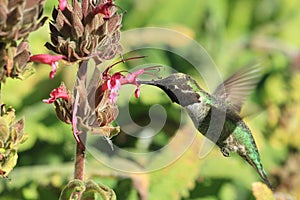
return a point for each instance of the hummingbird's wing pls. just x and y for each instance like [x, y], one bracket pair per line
[237, 87]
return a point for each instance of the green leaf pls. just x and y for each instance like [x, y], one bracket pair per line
[89, 189]
[9, 162]
[92, 189]
[72, 189]
[17, 133]
[4, 131]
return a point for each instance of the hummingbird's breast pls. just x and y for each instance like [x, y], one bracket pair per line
[240, 140]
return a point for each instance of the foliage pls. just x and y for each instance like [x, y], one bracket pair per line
[234, 33]
[90, 190]
[261, 192]
[12, 134]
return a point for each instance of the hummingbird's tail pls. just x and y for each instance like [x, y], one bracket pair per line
[264, 176]
[260, 170]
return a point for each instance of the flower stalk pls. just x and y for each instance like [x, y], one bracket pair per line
[80, 157]
[81, 31]
[80, 161]
[80, 141]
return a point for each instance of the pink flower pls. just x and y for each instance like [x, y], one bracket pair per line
[48, 59]
[62, 4]
[114, 85]
[104, 9]
[116, 80]
[60, 92]
[132, 78]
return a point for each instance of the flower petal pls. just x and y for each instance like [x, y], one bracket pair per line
[62, 4]
[113, 96]
[60, 92]
[132, 78]
[53, 71]
[114, 82]
[104, 9]
[49, 60]
[46, 58]
[137, 92]
[114, 86]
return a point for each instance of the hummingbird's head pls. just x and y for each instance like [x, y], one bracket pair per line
[180, 87]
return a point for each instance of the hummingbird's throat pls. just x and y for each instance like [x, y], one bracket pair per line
[198, 111]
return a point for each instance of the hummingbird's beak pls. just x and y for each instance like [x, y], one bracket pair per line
[146, 82]
[165, 88]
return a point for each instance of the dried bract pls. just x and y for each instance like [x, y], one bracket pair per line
[80, 38]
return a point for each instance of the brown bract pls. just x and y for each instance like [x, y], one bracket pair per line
[80, 38]
[95, 111]
[17, 20]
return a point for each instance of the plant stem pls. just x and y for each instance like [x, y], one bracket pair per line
[80, 146]
[79, 161]
[80, 157]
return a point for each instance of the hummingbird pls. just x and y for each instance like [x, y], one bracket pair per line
[217, 115]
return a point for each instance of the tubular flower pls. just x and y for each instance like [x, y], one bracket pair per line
[114, 85]
[62, 4]
[116, 80]
[48, 59]
[60, 92]
[104, 9]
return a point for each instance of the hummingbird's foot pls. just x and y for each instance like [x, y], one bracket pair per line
[225, 151]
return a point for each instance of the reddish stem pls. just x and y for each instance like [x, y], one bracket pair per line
[79, 158]
[80, 146]
[79, 161]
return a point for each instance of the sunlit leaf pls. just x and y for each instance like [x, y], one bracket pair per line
[262, 192]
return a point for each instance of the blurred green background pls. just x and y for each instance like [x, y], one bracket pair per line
[235, 33]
